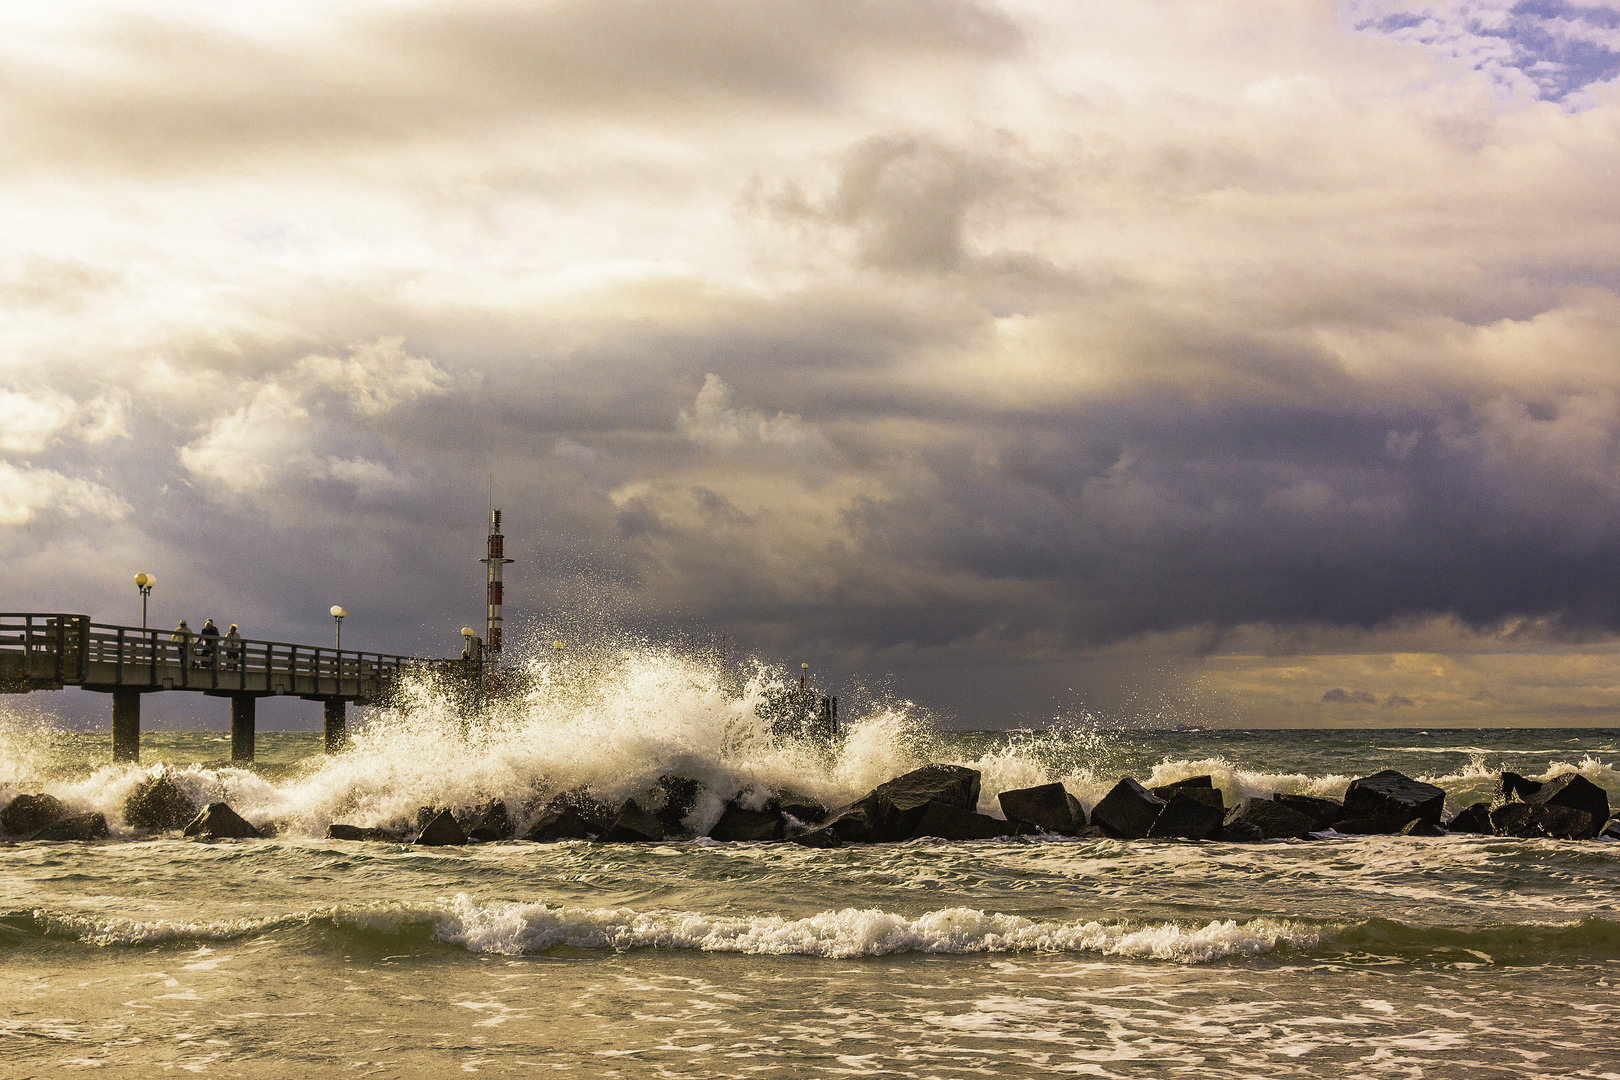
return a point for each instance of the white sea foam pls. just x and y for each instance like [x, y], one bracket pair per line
[511, 929]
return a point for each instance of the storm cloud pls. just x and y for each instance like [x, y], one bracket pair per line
[990, 344]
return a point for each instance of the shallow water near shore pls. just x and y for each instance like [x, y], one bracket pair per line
[1453, 956]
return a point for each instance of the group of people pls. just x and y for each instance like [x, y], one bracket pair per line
[202, 652]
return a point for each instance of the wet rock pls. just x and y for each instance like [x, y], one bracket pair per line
[823, 837]
[634, 824]
[442, 830]
[897, 806]
[78, 827]
[1377, 826]
[1511, 787]
[1392, 797]
[1419, 827]
[679, 796]
[1528, 821]
[1324, 813]
[1187, 817]
[1091, 832]
[1473, 819]
[493, 823]
[1576, 792]
[1191, 783]
[948, 822]
[1241, 832]
[339, 831]
[159, 803]
[28, 814]
[1611, 831]
[219, 822]
[739, 825]
[854, 823]
[803, 807]
[425, 814]
[1271, 819]
[1046, 806]
[572, 816]
[1128, 811]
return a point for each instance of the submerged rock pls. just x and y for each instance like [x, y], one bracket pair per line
[91, 826]
[1128, 811]
[1576, 792]
[159, 803]
[30, 813]
[823, 837]
[219, 822]
[1187, 817]
[1419, 827]
[1267, 817]
[1046, 806]
[948, 822]
[1528, 821]
[738, 825]
[339, 831]
[493, 823]
[1390, 797]
[1473, 819]
[634, 824]
[1324, 813]
[442, 830]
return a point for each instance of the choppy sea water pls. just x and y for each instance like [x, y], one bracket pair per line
[1380, 956]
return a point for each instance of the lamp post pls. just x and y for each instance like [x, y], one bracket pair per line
[144, 583]
[337, 617]
[472, 642]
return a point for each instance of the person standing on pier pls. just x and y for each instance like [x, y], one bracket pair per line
[205, 652]
[233, 646]
[182, 635]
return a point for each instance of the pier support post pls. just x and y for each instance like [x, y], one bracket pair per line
[337, 726]
[244, 713]
[126, 724]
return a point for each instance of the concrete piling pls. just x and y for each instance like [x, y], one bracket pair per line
[337, 725]
[126, 724]
[244, 715]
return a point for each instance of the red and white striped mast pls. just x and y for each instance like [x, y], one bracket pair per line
[493, 562]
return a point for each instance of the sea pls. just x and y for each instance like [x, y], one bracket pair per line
[1457, 956]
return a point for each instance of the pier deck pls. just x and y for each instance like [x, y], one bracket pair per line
[52, 650]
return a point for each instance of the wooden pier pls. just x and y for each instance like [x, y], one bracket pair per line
[49, 651]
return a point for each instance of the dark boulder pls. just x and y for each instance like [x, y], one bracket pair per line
[425, 814]
[442, 830]
[339, 831]
[1473, 819]
[679, 795]
[1511, 787]
[1186, 817]
[1390, 796]
[78, 827]
[1419, 827]
[1611, 831]
[27, 814]
[1091, 832]
[896, 806]
[855, 823]
[948, 822]
[633, 824]
[494, 823]
[1576, 792]
[803, 807]
[1271, 819]
[1241, 832]
[158, 803]
[823, 837]
[1046, 806]
[1128, 811]
[567, 818]
[1528, 821]
[219, 822]
[739, 825]
[1324, 813]
[1191, 783]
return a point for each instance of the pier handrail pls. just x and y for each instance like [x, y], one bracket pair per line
[70, 644]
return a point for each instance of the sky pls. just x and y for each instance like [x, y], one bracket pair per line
[1229, 363]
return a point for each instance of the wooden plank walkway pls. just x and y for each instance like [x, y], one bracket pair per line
[52, 650]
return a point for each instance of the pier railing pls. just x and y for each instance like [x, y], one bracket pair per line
[40, 651]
